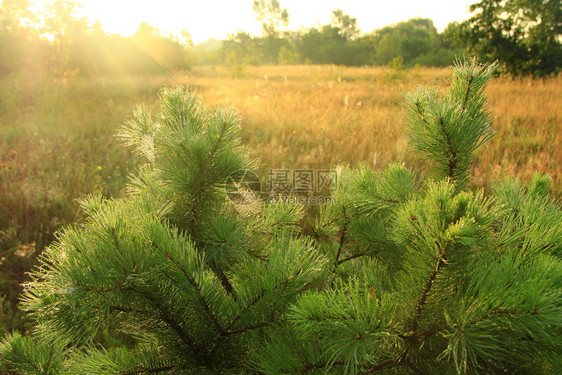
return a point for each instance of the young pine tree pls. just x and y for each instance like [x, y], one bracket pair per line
[400, 276]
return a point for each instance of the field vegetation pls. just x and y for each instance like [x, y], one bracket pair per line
[57, 135]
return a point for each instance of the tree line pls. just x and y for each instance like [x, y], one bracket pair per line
[524, 36]
[416, 41]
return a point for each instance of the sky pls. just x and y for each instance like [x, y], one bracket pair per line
[205, 19]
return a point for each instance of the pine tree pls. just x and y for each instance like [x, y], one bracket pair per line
[401, 275]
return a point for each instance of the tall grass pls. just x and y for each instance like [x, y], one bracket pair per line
[316, 116]
[57, 136]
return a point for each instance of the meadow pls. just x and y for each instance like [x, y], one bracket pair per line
[57, 136]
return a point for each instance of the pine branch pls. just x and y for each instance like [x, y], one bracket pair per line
[270, 320]
[316, 366]
[383, 365]
[252, 303]
[457, 124]
[387, 200]
[427, 288]
[450, 153]
[48, 365]
[468, 88]
[200, 296]
[32, 363]
[103, 290]
[224, 280]
[209, 163]
[307, 367]
[340, 245]
[218, 142]
[342, 236]
[503, 312]
[229, 332]
[115, 240]
[167, 318]
[352, 256]
[420, 112]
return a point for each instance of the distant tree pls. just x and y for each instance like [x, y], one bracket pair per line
[288, 56]
[441, 52]
[186, 38]
[207, 53]
[523, 35]
[346, 24]
[64, 27]
[336, 43]
[165, 49]
[323, 46]
[13, 36]
[416, 40]
[240, 50]
[271, 16]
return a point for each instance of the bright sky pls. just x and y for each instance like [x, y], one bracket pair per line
[205, 19]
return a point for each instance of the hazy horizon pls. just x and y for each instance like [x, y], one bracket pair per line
[216, 19]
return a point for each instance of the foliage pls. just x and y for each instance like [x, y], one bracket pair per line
[329, 45]
[399, 276]
[523, 35]
[65, 28]
[271, 16]
[416, 40]
[240, 50]
[18, 46]
[12, 37]
[340, 42]
[346, 24]
[59, 42]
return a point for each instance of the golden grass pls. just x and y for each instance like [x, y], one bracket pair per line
[323, 116]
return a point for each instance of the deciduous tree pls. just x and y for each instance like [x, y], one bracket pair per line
[525, 36]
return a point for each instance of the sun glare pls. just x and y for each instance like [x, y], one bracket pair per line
[203, 20]
[219, 18]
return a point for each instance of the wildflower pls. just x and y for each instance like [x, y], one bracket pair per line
[99, 168]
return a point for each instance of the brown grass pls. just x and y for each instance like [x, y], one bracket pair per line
[323, 116]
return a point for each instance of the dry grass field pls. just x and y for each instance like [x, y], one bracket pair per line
[322, 116]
